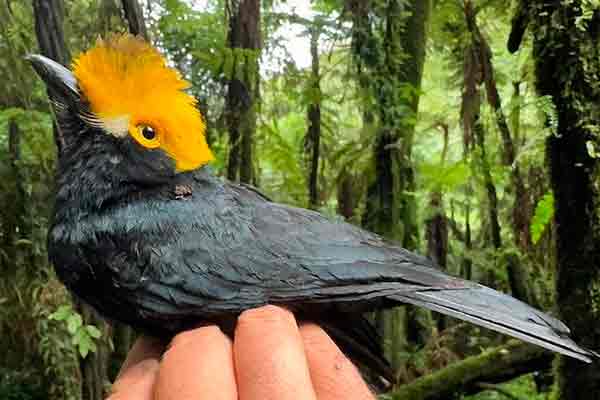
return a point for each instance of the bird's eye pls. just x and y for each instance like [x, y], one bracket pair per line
[148, 132]
[146, 135]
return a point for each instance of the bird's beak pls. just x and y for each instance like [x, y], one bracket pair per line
[61, 82]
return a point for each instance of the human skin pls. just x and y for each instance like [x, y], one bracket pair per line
[271, 357]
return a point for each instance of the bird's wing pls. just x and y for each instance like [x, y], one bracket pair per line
[247, 251]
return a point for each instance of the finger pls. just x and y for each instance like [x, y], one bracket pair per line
[332, 374]
[197, 365]
[138, 373]
[269, 357]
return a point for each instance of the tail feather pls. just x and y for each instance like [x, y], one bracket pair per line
[494, 310]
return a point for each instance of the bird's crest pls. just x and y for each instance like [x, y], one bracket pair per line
[132, 91]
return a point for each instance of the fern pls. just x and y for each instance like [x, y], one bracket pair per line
[544, 211]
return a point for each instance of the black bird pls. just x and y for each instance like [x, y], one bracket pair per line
[144, 232]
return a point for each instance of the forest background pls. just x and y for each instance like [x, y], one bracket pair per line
[466, 130]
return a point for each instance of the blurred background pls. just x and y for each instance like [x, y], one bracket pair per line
[462, 129]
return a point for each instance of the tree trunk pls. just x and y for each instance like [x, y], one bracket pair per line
[391, 206]
[521, 207]
[436, 226]
[347, 195]
[467, 263]
[94, 367]
[567, 64]
[519, 23]
[493, 366]
[437, 231]
[490, 188]
[135, 18]
[49, 31]
[414, 42]
[49, 16]
[386, 71]
[437, 241]
[244, 38]
[123, 337]
[313, 136]
[475, 67]
[437, 223]
[521, 212]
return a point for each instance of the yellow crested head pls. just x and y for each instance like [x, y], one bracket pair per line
[132, 91]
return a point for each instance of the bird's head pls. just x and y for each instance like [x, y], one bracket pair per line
[123, 101]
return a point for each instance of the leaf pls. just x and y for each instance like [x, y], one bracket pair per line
[93, 331]
[74, 322]
[445, 177]
[76, 338]
[84, 346]
[61, 314]
[544, 212]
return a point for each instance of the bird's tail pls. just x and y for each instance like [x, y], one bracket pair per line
[494, 310]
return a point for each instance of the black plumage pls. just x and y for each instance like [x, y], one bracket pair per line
[161, 250]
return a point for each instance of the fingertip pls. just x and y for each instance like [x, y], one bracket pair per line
[270, 314]
[136, 382]
[323, 350]
[197, 364]
[333, 375]
[207, 335]
[145, 347]
[269, 356]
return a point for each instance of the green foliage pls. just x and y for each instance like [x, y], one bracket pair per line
[588, 8]
[82, 336]
[20, 385]
[29, 343]
[521, 388]
[42, 334]
[544, 212]
[445, 178]
[60, 356]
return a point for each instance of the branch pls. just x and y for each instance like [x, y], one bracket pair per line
[135, 18]
[519, 23]
[496, 365]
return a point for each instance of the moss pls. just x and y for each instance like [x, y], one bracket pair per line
[457, 376]
[566, 36]
[594, 294]
[523, 387]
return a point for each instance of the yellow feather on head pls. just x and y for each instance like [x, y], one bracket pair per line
[131, 90]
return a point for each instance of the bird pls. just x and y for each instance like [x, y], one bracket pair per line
[144, 231]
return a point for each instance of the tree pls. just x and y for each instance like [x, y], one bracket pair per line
[49, 15]
[313, 114]
[390, 58]
[244, 40]
[565, 50]
[436, 224]
[390, 61]
[495, 365]
[135, 18]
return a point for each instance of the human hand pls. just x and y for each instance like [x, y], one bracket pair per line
[269, 358]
